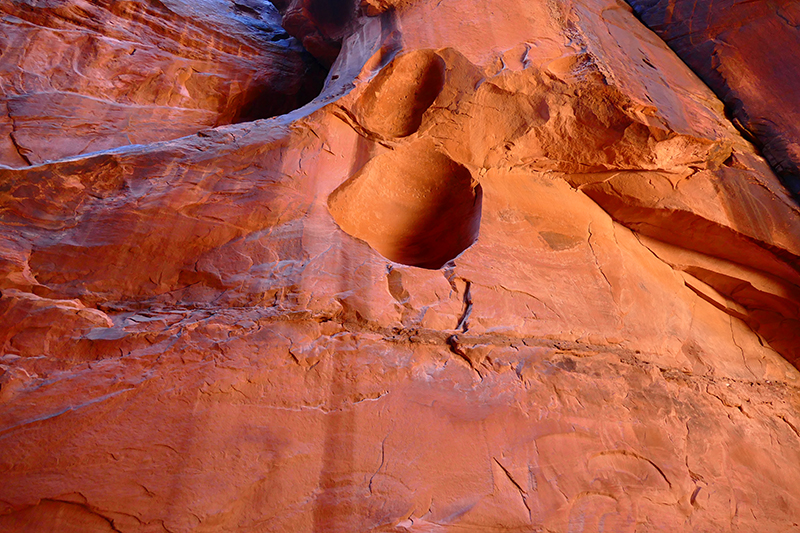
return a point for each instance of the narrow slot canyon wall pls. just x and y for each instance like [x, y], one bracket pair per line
[513, 269]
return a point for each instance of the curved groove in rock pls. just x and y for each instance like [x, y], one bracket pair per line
[415, 206]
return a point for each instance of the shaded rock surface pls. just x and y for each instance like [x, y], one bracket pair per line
[320, 26]
[746, 52]
[82, 76]
[231, 331]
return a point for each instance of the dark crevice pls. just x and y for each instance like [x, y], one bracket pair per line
[269, 105]
[463, 322]
[309, 86]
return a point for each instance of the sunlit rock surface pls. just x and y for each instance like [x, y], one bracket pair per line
[513, 270]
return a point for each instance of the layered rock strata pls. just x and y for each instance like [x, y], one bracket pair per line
[514, 270]
[82, 76]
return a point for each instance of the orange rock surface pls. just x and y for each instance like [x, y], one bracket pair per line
[82, 76]
[513, 270]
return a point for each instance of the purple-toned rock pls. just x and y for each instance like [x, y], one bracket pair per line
[747, 53]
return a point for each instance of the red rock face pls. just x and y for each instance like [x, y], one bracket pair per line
[746, 52]
[514, 270]
[84, 76]
[321, 26]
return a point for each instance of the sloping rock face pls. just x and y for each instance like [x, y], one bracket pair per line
[82, 76]
[746, 52]
[513, 270]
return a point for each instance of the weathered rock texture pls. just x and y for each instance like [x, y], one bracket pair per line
[81, 76]
[513, 270]
[746, 52]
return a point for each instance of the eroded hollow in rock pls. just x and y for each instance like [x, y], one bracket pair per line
[397, 98]
[414, 205]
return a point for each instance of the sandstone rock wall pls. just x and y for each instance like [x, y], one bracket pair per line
[513, 270]
[746, 52]
[82, 76]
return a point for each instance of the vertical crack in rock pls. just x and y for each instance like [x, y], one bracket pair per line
[597, 261]
[463, 322]
[731, 319]
[453, 342]
[383, 459]
[18, 149]
[522, 492]
[21, 151]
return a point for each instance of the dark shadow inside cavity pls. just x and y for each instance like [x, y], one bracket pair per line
[282, 95]
[269, 103]
[414, 206]
[332, 13]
